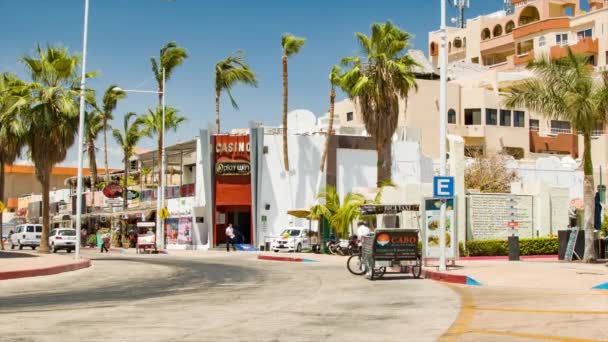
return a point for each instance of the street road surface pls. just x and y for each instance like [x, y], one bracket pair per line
[221, 297]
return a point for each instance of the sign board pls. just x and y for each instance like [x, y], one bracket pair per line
[376, 209]
[489, 214]
[146, 240]
[512, 224]
[392, 244]
[571, 245]
[164, 213]
[432, 210]
[2, 207]
[443, 187]
[232, 169]
[146, 224]
[132, 194]
[112, 191]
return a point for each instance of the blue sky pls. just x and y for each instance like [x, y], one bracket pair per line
[123, 35]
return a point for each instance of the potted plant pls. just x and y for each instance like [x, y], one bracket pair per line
[126, 243]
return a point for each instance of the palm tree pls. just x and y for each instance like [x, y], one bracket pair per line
[94, 123]
[110, 100]
[11, 127]
[376, 81]
[334, 79]
[49, 114]
[566, 89]
[291, 46]
[171, 56]
[229, 72]
[152, 124]
[127, 142]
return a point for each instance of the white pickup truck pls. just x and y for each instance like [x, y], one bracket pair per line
[291, 240]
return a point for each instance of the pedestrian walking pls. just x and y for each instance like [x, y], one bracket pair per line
[230, 238]
[105, 242]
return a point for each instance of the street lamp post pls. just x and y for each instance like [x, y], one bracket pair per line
[81, 131]
[443, 61]
[160, 198]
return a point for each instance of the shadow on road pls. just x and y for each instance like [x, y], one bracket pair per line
[9, 255]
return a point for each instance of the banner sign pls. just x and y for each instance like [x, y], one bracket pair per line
[232, 169]
[432, 209]
[375, 209]
[146, 240]
[571, 245]
[392, 244]
[112, 191]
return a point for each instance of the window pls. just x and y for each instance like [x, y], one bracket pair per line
[451, 116]
[510, 26]
[486, 34]
[475, 60]
[491, 117]
[497, 31]
[534, 125]
[561, 39]
[133, 165]
[505, 117]
[523, 48]
[584, 34]
[349, 116]
[38, 229]
[472, 116]
[560, 127]
[542, 42]
[67, 232]
[519, 118]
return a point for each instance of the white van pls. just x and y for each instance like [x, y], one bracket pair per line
[26, 235]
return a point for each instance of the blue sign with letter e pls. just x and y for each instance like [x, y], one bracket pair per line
[443, 187]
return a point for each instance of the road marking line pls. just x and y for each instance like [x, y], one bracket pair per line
[532, 336]
[465, 316]
[557, 312]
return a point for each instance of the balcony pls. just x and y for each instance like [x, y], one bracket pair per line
[524, 58]
[541, 26]
[497, 42]
[585, 46]
[468, 131]
[560, 143]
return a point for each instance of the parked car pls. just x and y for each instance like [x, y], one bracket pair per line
[26, 235]
[291, 240]
[62, 238]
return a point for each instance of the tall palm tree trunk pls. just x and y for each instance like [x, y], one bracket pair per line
[589, 200]
[285, 96]
[160, 160]
[217, 111]
[125, 184]
[105, 150]
[45, 181]
[385, 160]
[1, 199]
[332, 100]
[93, 170]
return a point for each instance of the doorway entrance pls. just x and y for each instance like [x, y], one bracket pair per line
[240, 217]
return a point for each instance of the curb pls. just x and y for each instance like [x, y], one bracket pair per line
[603, 286]
[280, 258]
[36, 272]
[451, 278]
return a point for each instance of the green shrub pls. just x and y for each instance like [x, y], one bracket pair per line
[537, 246]
[92, 240]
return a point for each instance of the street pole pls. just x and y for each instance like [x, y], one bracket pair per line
[443, 61]
[163, 162]
[81, 131]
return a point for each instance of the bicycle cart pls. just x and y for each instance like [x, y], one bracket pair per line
[391, 249]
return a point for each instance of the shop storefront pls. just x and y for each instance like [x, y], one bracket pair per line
[178, 226]
[232, 187]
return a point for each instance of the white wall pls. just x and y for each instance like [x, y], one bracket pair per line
[555, 172]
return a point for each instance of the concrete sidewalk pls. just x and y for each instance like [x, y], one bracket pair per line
[537, 274]
[31, 264]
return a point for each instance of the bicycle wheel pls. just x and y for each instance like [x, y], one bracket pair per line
[355, 266]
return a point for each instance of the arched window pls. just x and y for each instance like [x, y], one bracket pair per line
[497, 31]
[510, 27]
[451, 116]
[433, 49]
[529, 15]
[486, 34]
[542, 41]
[458, 43]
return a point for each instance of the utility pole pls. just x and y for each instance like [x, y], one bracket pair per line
[443, 72]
